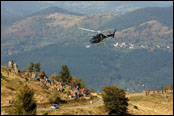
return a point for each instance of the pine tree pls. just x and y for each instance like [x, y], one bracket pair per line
[115, 101]
[65, 75]
[30, 68]
[24, 103]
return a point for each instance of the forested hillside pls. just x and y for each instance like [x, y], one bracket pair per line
[137, 17]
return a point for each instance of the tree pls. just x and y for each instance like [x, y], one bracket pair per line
[24, 103]
[34, 67]
[65, 75]
[30, 68]
[42, 74]
[115, 101]
[82, 83]
[78, 82]
[37, 67]
[55, 77]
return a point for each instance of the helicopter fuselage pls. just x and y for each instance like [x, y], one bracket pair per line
[99, 37]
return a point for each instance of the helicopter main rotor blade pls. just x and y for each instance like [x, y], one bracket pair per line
[89, 30]
[107, 30]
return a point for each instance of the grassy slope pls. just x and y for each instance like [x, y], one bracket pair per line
[151, 105]
[10, 86]
[138, 105]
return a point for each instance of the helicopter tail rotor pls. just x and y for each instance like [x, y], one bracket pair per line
[114, 33]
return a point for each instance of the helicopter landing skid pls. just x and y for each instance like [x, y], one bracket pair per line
[100, 44]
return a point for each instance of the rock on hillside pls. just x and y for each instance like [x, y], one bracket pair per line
[11, 82]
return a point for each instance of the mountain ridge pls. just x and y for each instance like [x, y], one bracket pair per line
[54, 9]
[162, 14]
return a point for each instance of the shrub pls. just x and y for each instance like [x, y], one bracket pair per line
[115, 101]
[78, 82]
[42, 74]
[55, 77]
[24, 103]
[91, 90]
[55, 98]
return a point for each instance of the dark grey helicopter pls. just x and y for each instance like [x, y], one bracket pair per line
[100, 36]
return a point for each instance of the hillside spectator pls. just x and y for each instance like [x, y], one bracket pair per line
[72, 95]
[162, 92]
[26, 79]
[47, 86]
[153, 91]
[76, 95]
[8, 74]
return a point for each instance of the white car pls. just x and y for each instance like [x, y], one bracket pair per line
[54, 106]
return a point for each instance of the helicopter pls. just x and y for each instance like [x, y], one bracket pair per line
[100, 36]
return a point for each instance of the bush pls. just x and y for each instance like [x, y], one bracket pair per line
[55, 77]
[115, 101]
[167, 87]
[91, 90]
[42, 74]
[78, 82]
[24, 103]
[46, 113]
[55, 98]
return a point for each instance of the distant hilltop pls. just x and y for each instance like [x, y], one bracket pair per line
[55, 9]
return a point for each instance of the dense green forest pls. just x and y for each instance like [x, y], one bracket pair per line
[101, 66]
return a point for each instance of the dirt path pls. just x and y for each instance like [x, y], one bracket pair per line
[98, 103]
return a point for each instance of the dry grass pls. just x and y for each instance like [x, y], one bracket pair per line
[151, 105]
[79, 111]
[10, 86]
